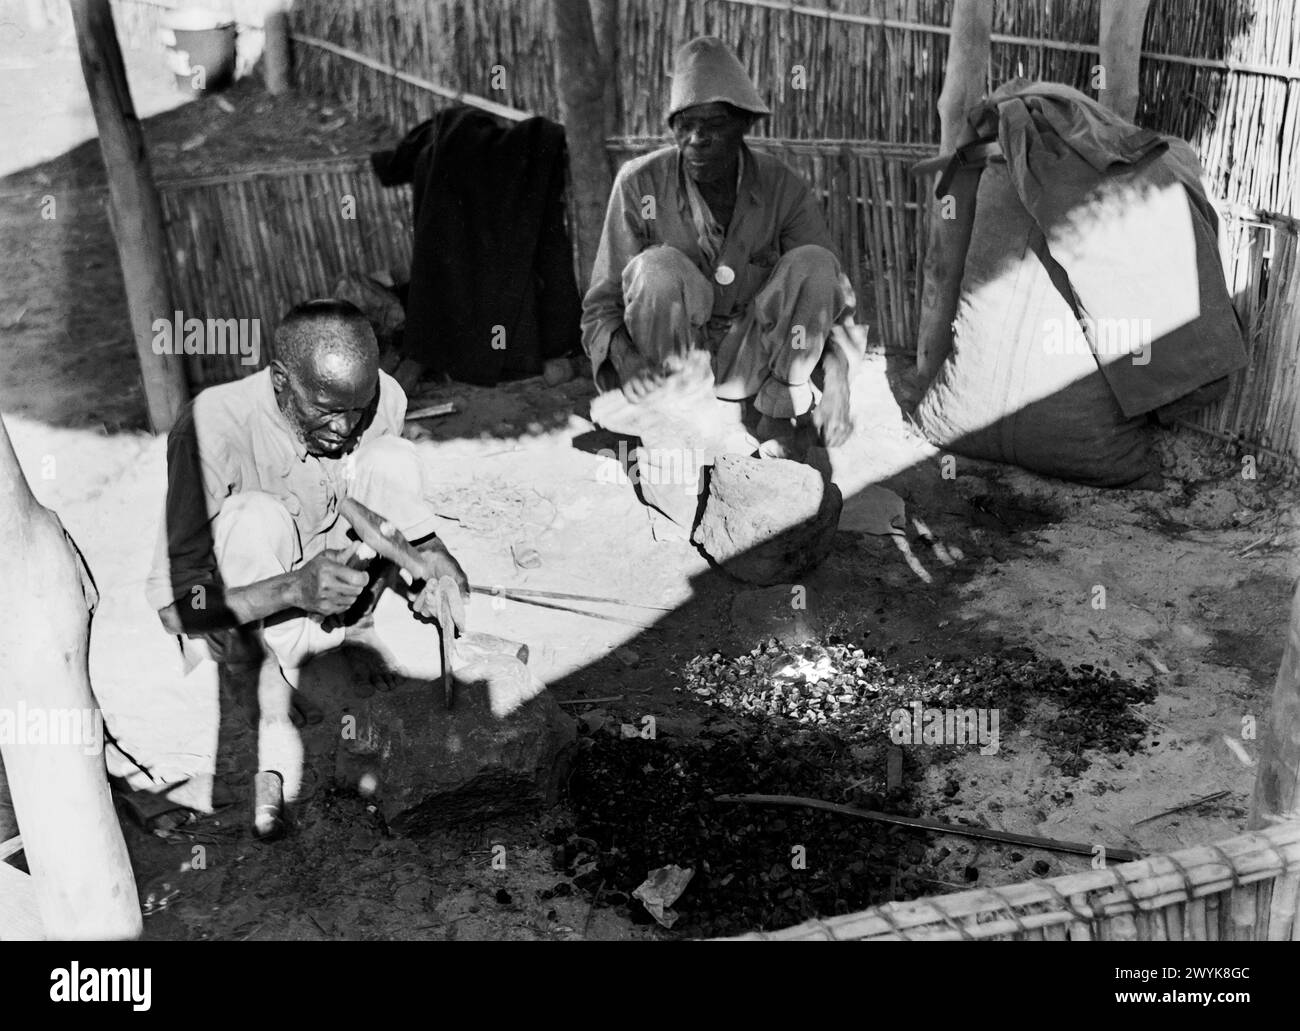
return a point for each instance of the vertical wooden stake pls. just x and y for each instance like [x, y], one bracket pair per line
[1277, 782]
[277, 59]
[580, 82]
[604, 20]
[134, 205]
[80, 868]
[1122, 23]
[963, 86]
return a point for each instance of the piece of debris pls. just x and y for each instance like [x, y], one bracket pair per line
[525, 556]
[1152, 660]
[1238, 749]
[194, 142]
[594, 719]
[433, 411]
[660, 889]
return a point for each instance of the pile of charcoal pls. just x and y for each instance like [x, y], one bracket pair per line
[639, 805]
[858, 692]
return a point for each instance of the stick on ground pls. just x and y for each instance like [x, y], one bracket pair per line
[1120, 855]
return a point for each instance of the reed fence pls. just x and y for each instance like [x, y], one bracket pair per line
[1223, 75]
[1243, 889]
[252, 243]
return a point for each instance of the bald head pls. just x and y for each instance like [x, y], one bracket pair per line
[327, 334]
[326, 373]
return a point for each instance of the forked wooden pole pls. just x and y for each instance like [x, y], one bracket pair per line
[964, 81]
[53, 754]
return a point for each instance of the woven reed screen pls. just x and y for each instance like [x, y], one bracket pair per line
[254, 243]
[1242, 889]
[832, 79]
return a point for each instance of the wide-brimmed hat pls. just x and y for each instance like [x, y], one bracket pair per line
[705, 71]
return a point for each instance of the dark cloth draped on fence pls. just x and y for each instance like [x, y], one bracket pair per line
[492, 292]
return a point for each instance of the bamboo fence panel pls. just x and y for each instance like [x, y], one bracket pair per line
[1225, 76]
[254, 242]
[1242, 889]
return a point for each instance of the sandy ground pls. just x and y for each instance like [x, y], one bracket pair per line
[1197, 581]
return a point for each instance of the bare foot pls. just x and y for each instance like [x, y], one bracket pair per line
[785, 438]
[369, 662]
[833, 416]
[305, 711]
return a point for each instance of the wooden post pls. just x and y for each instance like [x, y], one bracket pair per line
[963, 86]
[277, 60]
[580, 77]
[134, 207]
[1277, 782]
[1122, 23]
[71, 837]
[604, 20]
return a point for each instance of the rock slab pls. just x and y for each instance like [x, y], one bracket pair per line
[426, 767]
[767, 521]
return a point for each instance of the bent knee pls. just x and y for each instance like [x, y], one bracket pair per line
[659, 268]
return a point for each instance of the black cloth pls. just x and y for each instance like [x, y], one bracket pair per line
[493, 293]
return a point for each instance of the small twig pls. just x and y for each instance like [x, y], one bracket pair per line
[1121, 855]
[578, 612]
[592, 701]
[1251, 547]
[586, 924]
[519, 593]
[1179, 808]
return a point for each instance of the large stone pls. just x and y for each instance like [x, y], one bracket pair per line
[427, 767]
[766, 520]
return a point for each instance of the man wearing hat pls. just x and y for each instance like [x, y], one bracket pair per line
[709, 245]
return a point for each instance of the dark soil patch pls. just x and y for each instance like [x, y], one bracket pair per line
[643, 804]
[813, 722]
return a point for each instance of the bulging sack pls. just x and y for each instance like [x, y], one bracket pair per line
[1022, 384]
